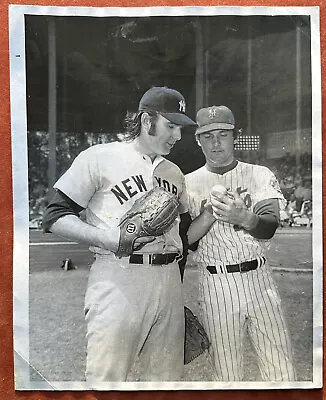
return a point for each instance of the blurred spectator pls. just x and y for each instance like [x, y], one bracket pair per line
[291, 208]
[37, 203]
[297, 179]
[287, 187]
[307, 194]
[291, 176]
[303, 193]
[298, 193]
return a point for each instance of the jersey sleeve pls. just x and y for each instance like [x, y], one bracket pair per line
[81, 180]
[268, 187]
[59, 206]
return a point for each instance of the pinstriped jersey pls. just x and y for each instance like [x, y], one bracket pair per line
[224, 243]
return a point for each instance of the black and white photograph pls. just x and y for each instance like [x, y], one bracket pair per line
[167, 197]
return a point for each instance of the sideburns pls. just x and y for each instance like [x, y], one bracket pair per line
[152, 129]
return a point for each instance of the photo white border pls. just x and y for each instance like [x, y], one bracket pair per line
[20, 189]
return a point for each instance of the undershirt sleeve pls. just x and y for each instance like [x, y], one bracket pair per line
[185, 221]
[60, 206]
[268, 219]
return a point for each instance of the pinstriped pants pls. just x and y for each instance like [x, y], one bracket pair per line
[232, 303]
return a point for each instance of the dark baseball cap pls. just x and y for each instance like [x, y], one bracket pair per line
[167, 102]
[214, 117]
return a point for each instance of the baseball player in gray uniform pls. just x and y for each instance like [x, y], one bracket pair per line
[235, 211]
[134, 304]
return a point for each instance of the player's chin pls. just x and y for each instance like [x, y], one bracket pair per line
[166, 150]
[219, 159]
[214, 161]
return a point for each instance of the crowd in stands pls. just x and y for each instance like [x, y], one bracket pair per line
[293, 173]
[295, 177]
[38, 200]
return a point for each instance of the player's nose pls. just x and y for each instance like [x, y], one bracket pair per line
[177, 133]
[216, 140]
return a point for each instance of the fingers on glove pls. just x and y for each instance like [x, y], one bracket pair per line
[141, 241]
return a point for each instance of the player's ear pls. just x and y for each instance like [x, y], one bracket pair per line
[198, 141]
[236, 133]
[146, 121]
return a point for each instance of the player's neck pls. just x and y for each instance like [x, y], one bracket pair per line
[142, 148]
[222, 170]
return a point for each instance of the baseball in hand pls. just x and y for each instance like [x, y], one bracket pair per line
[218, 190]
[217, 194]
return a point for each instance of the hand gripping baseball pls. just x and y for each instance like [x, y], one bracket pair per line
[229, 207]
[149, 217]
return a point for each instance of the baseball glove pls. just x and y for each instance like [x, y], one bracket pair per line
[151, 215]
[196, 339]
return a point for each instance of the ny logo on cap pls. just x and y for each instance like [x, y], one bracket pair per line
[212, 113]
[182, 106]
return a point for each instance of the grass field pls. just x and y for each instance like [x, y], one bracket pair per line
[57, 328]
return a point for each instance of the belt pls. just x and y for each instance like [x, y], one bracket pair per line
[241, 267]
[153, 259]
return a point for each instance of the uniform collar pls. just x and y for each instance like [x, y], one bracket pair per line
[222, 170]
[156, 160]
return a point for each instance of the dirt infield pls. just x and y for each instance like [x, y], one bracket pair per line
[57, 329]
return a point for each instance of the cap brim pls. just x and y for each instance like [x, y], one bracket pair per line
[178, 119]
[213, 127]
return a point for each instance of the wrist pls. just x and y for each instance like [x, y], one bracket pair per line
[108, 240]
[208, 215]
[250, 220]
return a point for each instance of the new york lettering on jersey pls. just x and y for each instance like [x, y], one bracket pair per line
[118, 191]
[129, 187]
[135, 184]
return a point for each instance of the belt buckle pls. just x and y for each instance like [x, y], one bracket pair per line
[162, 259]
[178, 257]
[152, 258]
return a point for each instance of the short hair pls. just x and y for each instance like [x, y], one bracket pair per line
[132, 125]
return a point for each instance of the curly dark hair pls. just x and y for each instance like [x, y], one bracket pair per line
[132, 125]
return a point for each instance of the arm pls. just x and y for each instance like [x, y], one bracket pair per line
[62, 218]
[200, 226]
[71, 227]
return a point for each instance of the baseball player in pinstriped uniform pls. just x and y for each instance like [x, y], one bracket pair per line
[133, 305]
[237, 291]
